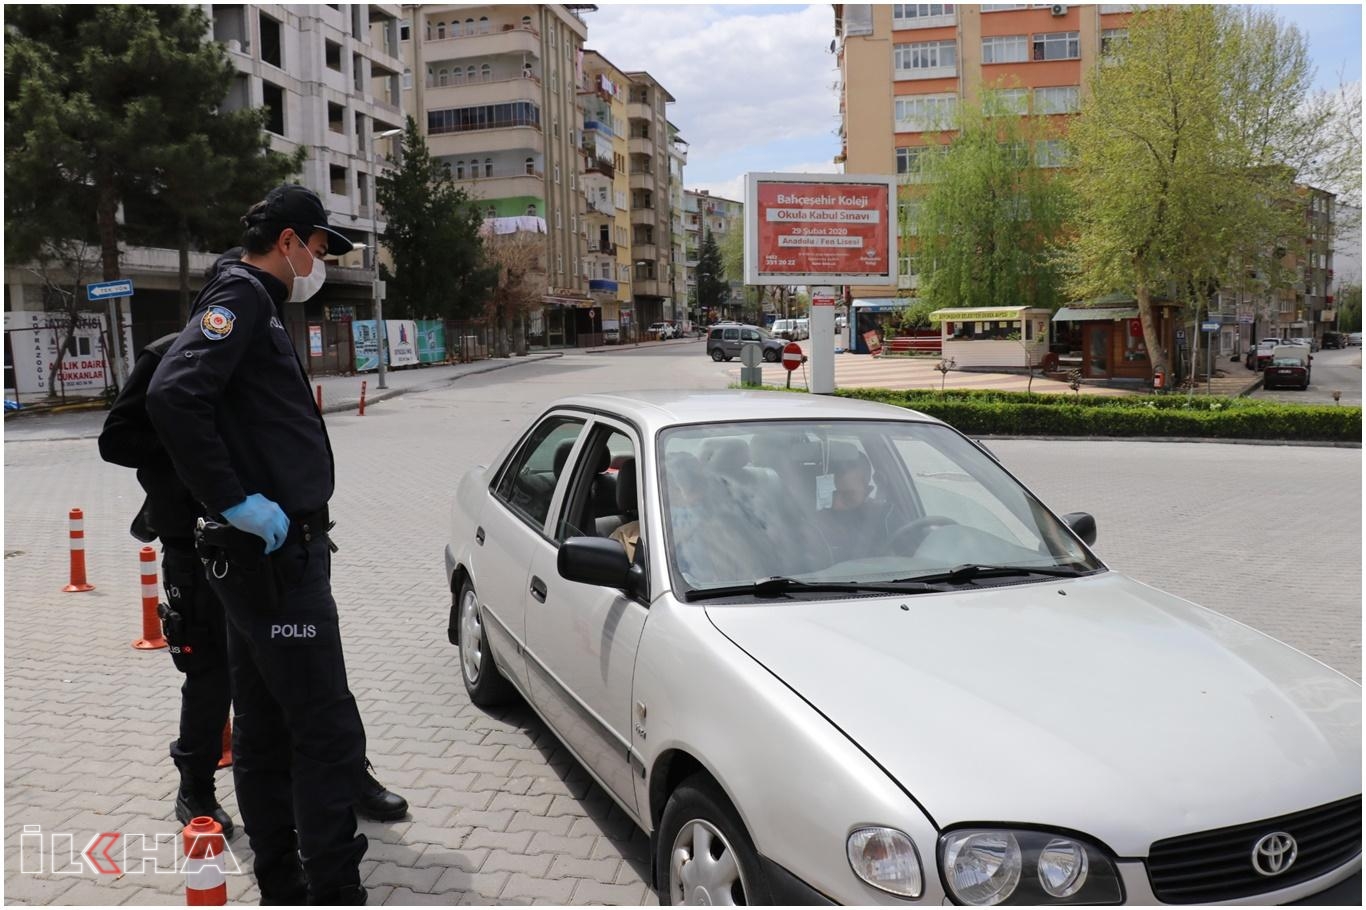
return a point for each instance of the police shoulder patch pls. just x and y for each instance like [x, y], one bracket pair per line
[216, 323]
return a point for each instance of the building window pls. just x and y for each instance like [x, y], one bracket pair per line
[469, 27]
[488, 167]
[440, 30]
[1011, 100]
[926, 59]
[559, 222]
[1051, 153]
[273, 100]
[337, 176]
[1111, 39]
[912, 161]
[460, 170]
[270, 42]
[531, 210]
[491, 212]
[926, 112]
[1005, 49]
[1002, 7]
[1057, 46]
[921, 15]
[332, 55]
[483, 25]
[405, 30]
[485, 73]
[336, 118]
[557, 173]
[442, 77]
[605, 269]
[526, 22]
[559, 261]
[470, 73]
[407, 78]
[1063, 99]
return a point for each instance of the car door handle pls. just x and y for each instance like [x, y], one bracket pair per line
[538, 589]
[479, 536]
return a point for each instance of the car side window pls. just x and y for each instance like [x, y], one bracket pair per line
[732, 335]
[528, 485]
[749, 335]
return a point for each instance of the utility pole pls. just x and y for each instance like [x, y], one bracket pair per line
[376, 295]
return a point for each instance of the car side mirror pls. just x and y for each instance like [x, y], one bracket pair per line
[598, 561]
[1083, 524]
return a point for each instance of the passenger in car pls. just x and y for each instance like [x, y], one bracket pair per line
[855, 525]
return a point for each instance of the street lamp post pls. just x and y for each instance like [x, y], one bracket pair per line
[376, 298]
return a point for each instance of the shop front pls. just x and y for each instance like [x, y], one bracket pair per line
[1106, 342]
[872, 324]
[1012, 338]
[563, 315]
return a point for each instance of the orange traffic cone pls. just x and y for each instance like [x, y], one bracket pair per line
[77, 532]
[205, 883]
[226, 760]
[151, 639]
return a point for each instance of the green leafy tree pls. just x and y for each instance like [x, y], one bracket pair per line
[111, 106]
[1349, 306]
[432, 232]
[713, 291]
[1187, 153]
[982, 222]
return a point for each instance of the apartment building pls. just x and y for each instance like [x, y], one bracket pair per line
[703, 212]
[606, 188]
[495, 87]
[678, 159]
[905, 68]
[648, 167]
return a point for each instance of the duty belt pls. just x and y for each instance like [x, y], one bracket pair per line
[305, 528]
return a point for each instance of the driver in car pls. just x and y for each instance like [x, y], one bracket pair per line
[855, 525]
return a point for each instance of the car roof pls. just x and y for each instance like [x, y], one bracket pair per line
[655, 410]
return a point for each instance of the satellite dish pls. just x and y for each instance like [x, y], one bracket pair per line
[832, 45]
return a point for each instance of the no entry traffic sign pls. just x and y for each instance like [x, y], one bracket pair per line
[792, 356]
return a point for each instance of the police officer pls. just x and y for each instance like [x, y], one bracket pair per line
[192, 618]
[232, 404]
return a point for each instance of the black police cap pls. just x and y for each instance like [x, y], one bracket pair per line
[292, 204]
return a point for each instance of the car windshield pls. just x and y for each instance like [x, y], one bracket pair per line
[1287, 362]
[846, 501]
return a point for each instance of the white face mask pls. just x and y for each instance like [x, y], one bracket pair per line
[306, 286]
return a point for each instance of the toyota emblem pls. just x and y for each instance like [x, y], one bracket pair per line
[1274, 853]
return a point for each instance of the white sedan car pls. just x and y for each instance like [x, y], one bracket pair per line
[828, 651]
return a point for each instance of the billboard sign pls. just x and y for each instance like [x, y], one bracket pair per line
[820, 229]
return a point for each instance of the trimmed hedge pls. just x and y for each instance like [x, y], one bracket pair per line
[1022, 414]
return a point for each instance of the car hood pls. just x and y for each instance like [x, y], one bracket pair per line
[1096, 704]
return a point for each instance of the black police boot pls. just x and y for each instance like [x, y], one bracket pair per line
[376, 802]
[345, 896]
[195, 798]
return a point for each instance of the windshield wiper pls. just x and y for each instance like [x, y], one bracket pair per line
[960, 574]
[781, 585]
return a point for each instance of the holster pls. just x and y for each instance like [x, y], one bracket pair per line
[236, 563]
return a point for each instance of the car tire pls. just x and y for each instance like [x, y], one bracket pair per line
[772, 356]
[717, 355]
[698, 817]
[484, 682]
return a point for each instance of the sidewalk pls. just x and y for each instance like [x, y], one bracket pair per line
[342, 393]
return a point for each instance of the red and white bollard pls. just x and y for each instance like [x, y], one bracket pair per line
[77, 532]
[225, 761]
[362, 398]
[151, 639]
[205, 882]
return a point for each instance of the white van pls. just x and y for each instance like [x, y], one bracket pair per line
[784, 328]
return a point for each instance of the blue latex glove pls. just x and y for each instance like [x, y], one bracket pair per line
[262, 517]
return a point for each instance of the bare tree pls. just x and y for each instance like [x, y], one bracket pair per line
[62, 266]
[520, 262]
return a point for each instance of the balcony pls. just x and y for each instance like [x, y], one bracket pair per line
[505, 187]
[600, 166]
[646, 287]
[470, 142]
[646, 250]
[637, 110]
[512, 41]
[598, 206]
[471, 94]
[643, 215]
[602, 249]
[602, 286]
[637, 145]
[645, 181]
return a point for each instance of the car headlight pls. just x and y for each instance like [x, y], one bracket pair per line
[886, 859]
[984, 867]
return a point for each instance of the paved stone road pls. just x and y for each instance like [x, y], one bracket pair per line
[500, 811]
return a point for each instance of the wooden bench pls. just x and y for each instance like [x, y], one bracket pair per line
[904, 346]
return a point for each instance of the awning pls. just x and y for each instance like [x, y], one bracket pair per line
[978, 314]
[584, 302]
[882, 304]
[1095, 313]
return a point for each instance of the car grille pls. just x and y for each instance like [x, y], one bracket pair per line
[1217, 865]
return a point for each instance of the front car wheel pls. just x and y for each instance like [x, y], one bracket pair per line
[483, 682]
[705, 856]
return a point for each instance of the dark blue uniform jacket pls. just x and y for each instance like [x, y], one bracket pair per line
[232, 404]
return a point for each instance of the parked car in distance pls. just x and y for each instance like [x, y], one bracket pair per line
[1289, 367]
[784, 328]
[842, 656]
[803, 328]
[1260, 356]
[662, 330]
[726, 340]
[1334, 340]
[611, 336]
[1353, 339]
[1311, 343]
